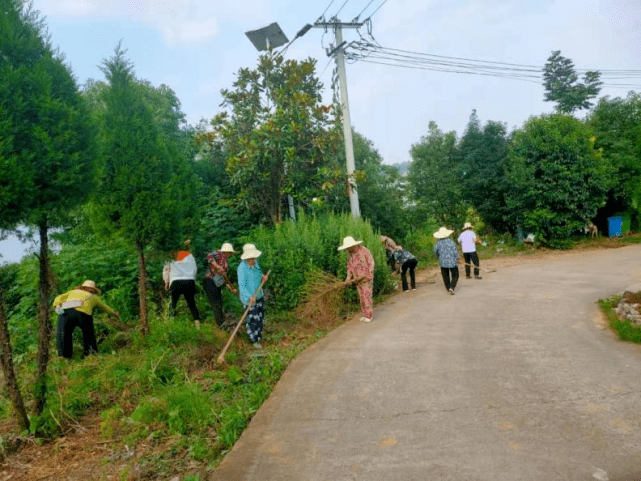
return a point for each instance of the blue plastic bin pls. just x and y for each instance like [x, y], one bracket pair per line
[615, 225]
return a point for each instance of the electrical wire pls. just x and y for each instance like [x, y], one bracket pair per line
[369, 53]
[339, 10]
[359, 15]
[323, 14]
[379, 7]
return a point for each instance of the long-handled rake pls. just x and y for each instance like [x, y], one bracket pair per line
[484, 269]
[221, 358]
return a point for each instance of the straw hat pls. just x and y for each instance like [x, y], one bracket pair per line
[250, 252]
[348, 242]
[442, 233]
[467, 225]
[89, 286]
[227, 247]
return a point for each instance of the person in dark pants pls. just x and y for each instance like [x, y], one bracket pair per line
[216, 278]
[468, 240]
[75, 309]
[250, 277]
[182, 282]
[406, 260]
[447, 254]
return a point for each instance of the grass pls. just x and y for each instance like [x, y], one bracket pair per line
[164, 394]
[624, 328]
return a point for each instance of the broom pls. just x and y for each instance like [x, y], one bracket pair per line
[323, 297]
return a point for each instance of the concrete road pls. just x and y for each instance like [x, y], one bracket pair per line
[513, 378]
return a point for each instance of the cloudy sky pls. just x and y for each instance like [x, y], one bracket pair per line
[197, 46]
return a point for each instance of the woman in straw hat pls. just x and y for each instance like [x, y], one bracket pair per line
[216, 278]
[468, 241]
[250, 278]
[75, 309]
[360, 266]
[447, 254]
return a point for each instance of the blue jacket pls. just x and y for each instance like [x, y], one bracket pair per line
[248, 281]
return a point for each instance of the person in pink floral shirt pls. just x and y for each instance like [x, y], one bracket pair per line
[360, 266]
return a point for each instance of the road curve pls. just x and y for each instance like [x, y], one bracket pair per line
[510, 379]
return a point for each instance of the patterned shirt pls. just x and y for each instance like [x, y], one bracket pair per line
[403, 256]
[219, 258]
[361, 263]
[446, 252]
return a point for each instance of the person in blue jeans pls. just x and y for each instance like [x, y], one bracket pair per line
[406, 260]
[447, 254]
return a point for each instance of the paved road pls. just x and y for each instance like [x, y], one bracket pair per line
[510, 379]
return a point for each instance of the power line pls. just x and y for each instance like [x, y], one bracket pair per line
[379, 7]
[339, 10]
[366, 7]
[323, 14]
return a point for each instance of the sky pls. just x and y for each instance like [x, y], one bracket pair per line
[197, 47]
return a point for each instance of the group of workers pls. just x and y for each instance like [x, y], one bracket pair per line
[75, 307]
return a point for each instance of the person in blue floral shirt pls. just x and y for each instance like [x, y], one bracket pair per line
[447, 254]
[406, 261]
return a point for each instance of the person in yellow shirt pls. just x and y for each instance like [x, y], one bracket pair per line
[75, 309]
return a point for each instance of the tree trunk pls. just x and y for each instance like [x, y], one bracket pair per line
[44, 318]
[142, 288]
[11, 381]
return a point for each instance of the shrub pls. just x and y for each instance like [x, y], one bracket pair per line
[291, 249]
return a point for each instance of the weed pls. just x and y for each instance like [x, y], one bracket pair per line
[624, 329]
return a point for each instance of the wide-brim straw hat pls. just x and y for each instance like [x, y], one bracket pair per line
[442, 233]
[348, 242]
[89, 286]
[467, 225]
[227, 247]
[250, 252]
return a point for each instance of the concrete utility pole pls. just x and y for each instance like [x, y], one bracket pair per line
[347, 125]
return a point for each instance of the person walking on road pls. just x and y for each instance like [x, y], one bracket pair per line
[360, 267]
[250, 278]
[406, 260]
[468, 240]
[447, 254]
[182, 282]
[216, 278]
[75, 309]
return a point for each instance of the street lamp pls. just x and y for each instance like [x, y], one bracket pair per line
[269, 38]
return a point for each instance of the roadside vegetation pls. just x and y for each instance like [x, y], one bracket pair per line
[144, 180]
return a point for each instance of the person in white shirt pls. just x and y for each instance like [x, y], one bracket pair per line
[181, 281]
[468, 240]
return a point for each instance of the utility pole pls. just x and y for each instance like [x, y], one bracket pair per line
[347, 125]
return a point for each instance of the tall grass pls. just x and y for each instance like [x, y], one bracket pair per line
[293, 249]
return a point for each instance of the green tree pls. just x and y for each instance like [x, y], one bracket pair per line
[146, 187]
[381, 190]
[434, 177]
[617, 128]
[47, 127]
[279, 139]
[483, 152]
[558, 179]
[562, 85]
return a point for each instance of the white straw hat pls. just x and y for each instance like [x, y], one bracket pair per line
[467, 225]
[349, 241]
[442, 233]
[250, 252]
[90, 285]
[227, 247]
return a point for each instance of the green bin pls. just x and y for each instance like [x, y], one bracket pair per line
[627, 220]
